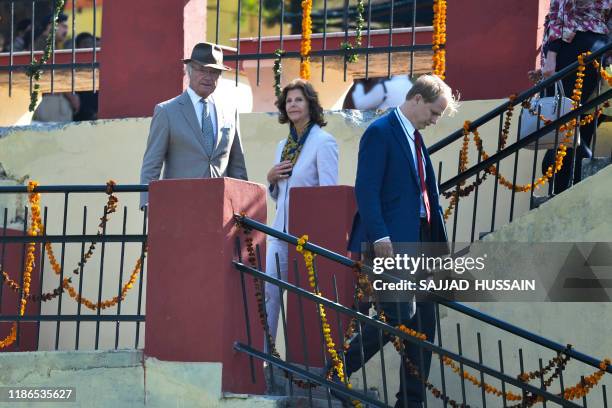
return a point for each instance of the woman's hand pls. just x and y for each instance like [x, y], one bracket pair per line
[550, 64]
[279, 171]
[535, 76]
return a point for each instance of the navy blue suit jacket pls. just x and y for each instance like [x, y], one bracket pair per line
[387, 188]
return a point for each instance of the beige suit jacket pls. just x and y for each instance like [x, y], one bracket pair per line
[176, 143]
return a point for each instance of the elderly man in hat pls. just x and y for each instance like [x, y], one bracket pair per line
[196, 134]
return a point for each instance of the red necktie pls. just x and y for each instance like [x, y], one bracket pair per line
[418, 144]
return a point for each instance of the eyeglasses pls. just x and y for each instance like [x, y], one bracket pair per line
[211, 72]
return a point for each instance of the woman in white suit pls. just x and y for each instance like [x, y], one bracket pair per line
[307, 157]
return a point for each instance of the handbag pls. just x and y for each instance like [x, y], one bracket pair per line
[551, 108]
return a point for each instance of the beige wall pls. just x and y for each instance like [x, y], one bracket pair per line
[14, 110]
[94, 152]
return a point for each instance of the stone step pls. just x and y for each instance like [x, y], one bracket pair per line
[278, 387]
[592, 166]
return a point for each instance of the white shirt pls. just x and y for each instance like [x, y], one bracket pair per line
[409, 131]
[198, 106]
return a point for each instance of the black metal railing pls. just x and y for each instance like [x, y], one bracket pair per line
[492, 372]
[330, 18]
[103, 309]
[25, 43]
[474, 220]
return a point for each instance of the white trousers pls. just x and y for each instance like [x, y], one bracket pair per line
[273, 295]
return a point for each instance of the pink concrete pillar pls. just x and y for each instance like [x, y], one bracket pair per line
[12, 258]
[143, 44]
[491, 45]
[195, 310]
[325, 214]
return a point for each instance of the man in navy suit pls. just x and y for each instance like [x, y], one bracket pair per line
[397, 200]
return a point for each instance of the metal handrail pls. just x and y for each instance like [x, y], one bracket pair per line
[398, 333]
[23, 239]
[459, 307]
[73, 318]
[513, 148]
[77, 188]
[308, 375]
[519, 99]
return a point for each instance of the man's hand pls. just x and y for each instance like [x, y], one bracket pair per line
[383, 249]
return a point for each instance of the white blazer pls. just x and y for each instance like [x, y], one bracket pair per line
[317, 165]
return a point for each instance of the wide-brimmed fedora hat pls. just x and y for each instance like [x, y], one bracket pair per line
[208, 55]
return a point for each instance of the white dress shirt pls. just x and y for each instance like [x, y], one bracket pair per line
[196, 100]
[409, 131]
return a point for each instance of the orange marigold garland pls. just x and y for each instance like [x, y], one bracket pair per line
[34, 230]
[110, 208]
[584, 386]
[567, 130]
[439, 38]
[560, 362]
[602, 71]
[109, 302]
[329, 341]
[305, 45]
[261, 309]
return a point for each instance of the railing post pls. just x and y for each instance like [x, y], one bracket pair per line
[194, 304]
[143, 45]
[12, 258]
[325, 214]
[511, 46]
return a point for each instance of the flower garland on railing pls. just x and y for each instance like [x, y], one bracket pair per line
[439, 38]
[464, 192]
[111, 207]
[567, 129]
[34, 71]
[278, 71]
[329, 342]
[602, 71]
[579, 390]
[337, 364]
[110, 302]
[261, 310]
[413, 369]
[560, 362]
[584, 386]
[305, 45]
[364, 286]
[34, 230]
[349, 47]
